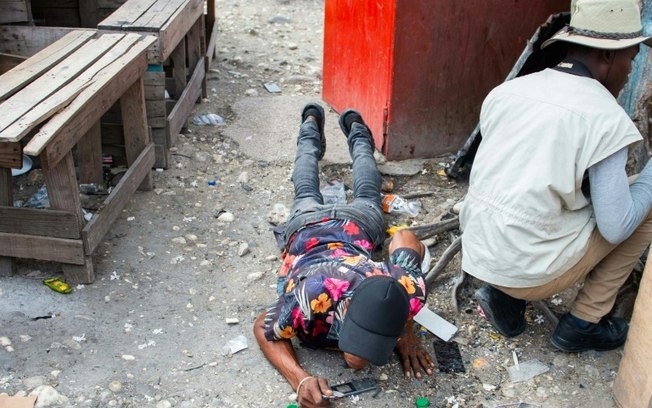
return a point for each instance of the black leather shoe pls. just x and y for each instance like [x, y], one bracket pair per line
[608, 334]
[315, 109]
[505, 313]
[348, 118]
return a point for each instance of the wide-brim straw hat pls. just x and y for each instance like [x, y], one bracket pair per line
[603, 24]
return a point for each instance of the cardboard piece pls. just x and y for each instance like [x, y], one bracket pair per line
[633, 385]
[435, 324]
[17, 402]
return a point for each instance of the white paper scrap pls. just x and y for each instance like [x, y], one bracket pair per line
[435, 324]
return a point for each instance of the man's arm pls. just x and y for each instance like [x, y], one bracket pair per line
[281, 355]
[619, 207]
[413, 356]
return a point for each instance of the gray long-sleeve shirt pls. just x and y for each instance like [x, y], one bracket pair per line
[619, 207]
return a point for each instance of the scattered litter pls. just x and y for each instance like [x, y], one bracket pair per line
[393, 203]
[157, 331]
[150, 343]
[527, 370]
[539, 319]
[38, 199]
[422, 402]
[194, 183]
[334, 192]
[208, 119]
[435, 324]
[556, 300]
[272, 87]
[128, 357]
[57, 285]
[235, 345]
[129, 219]
[195, 368]
[451, 402]
[27, 166]
[449, 359]
[87, 214]
[232, 320]
[212, 183]
[114, 276]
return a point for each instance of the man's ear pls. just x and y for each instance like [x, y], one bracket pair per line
[607, 56]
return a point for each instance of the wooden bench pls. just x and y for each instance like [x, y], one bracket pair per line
[177, 61]
[51, 104]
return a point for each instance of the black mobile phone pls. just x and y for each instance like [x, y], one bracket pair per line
[447, 354]
[353, 387]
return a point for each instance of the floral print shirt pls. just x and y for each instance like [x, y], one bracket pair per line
[323, 264]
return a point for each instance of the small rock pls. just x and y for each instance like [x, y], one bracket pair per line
[293, 46]
[47, 396]
[278, 20]
[457, 207]
[232, 320]
[271, 258]
[383, 377]
[115, 386]
[542, 392]
[278, 214]
[251, 92]
[164, 404]
[179, 240]
[254, 276]
[32, 382]
[128, 357]
[4, 341]
[191, 237]
[226, 217]
[243, 249]
[560, 361]
[243, 177]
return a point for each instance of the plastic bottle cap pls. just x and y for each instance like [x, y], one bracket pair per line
[422, 402]
[293, 406]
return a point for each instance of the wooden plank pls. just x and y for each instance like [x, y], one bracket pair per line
[178, 58]
[132, 104]
[49, 83]
[10, 61]
[17, 130]
[7, 265]
[24, 73]
[89, 156]
[194, 43]
[126, 14]
[178, 25]
[43, 248]
[32, 221]
[28, 40]
[186, 103]
[88, 13]
[76, 274]
[162, 157]
[11, 155]
[157, 16]
[211, 47]
[63, 131]
[63, 190]
[94, 232]
[14, 11]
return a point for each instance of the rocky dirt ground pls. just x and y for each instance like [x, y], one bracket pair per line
[188, 266]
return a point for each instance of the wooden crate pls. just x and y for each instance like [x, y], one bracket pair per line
[73, 13]
[177, 59]
[52, 103]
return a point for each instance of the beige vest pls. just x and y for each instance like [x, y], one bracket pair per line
[525, 220]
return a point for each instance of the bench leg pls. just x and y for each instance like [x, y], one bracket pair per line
[76, 274]
[7, 265]
[134, 121]
[194, 47]
[178, 58]
[89, 155]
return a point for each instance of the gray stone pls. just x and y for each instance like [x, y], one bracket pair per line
[47, 396]
[32, 382]
[402, 168]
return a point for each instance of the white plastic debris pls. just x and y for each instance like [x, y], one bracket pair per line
[527, 370]
[206, 119]
[235, 345]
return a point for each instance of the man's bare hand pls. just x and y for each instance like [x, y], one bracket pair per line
[413, 357]
[311, 392]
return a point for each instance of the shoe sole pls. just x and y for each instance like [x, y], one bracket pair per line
[484, 305]
[567, 347]
[320, 124]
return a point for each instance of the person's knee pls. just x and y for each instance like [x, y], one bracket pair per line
[404, 238]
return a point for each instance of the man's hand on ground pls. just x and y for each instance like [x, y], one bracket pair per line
[413, 357]
[310, 394]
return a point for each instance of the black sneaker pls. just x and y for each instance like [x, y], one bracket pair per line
[608, 334]
[505, 313]
[314, 109]
[350, 116]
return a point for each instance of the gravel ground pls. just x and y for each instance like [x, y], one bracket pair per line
[187, 267]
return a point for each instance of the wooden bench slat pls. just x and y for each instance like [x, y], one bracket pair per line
[32, 221]
[178, 26]
[157, 15]
[18, 77]
[126, 14]
[45, 248]
[116, 72]
[55, 78]
[56, 102]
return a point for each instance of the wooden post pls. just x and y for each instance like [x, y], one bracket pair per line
[89, 156]
[7, 265]
[194, 43]
[178, 58]
[134, 119]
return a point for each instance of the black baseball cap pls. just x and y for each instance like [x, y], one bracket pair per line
[375, 319]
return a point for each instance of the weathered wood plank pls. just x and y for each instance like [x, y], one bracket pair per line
[132, 104]
[44, 248]
[47, 84]
[17, 130]
[178, 58]
[10, 61]
[94, 232]
[7, 265]
[157, 15]
[63, 190]
[178, 25]
[126, 14]
[89, 156]
[18, 77]
[14, 11]
[63, 131]
[11, 155]
[177, 118]
[32, 221]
